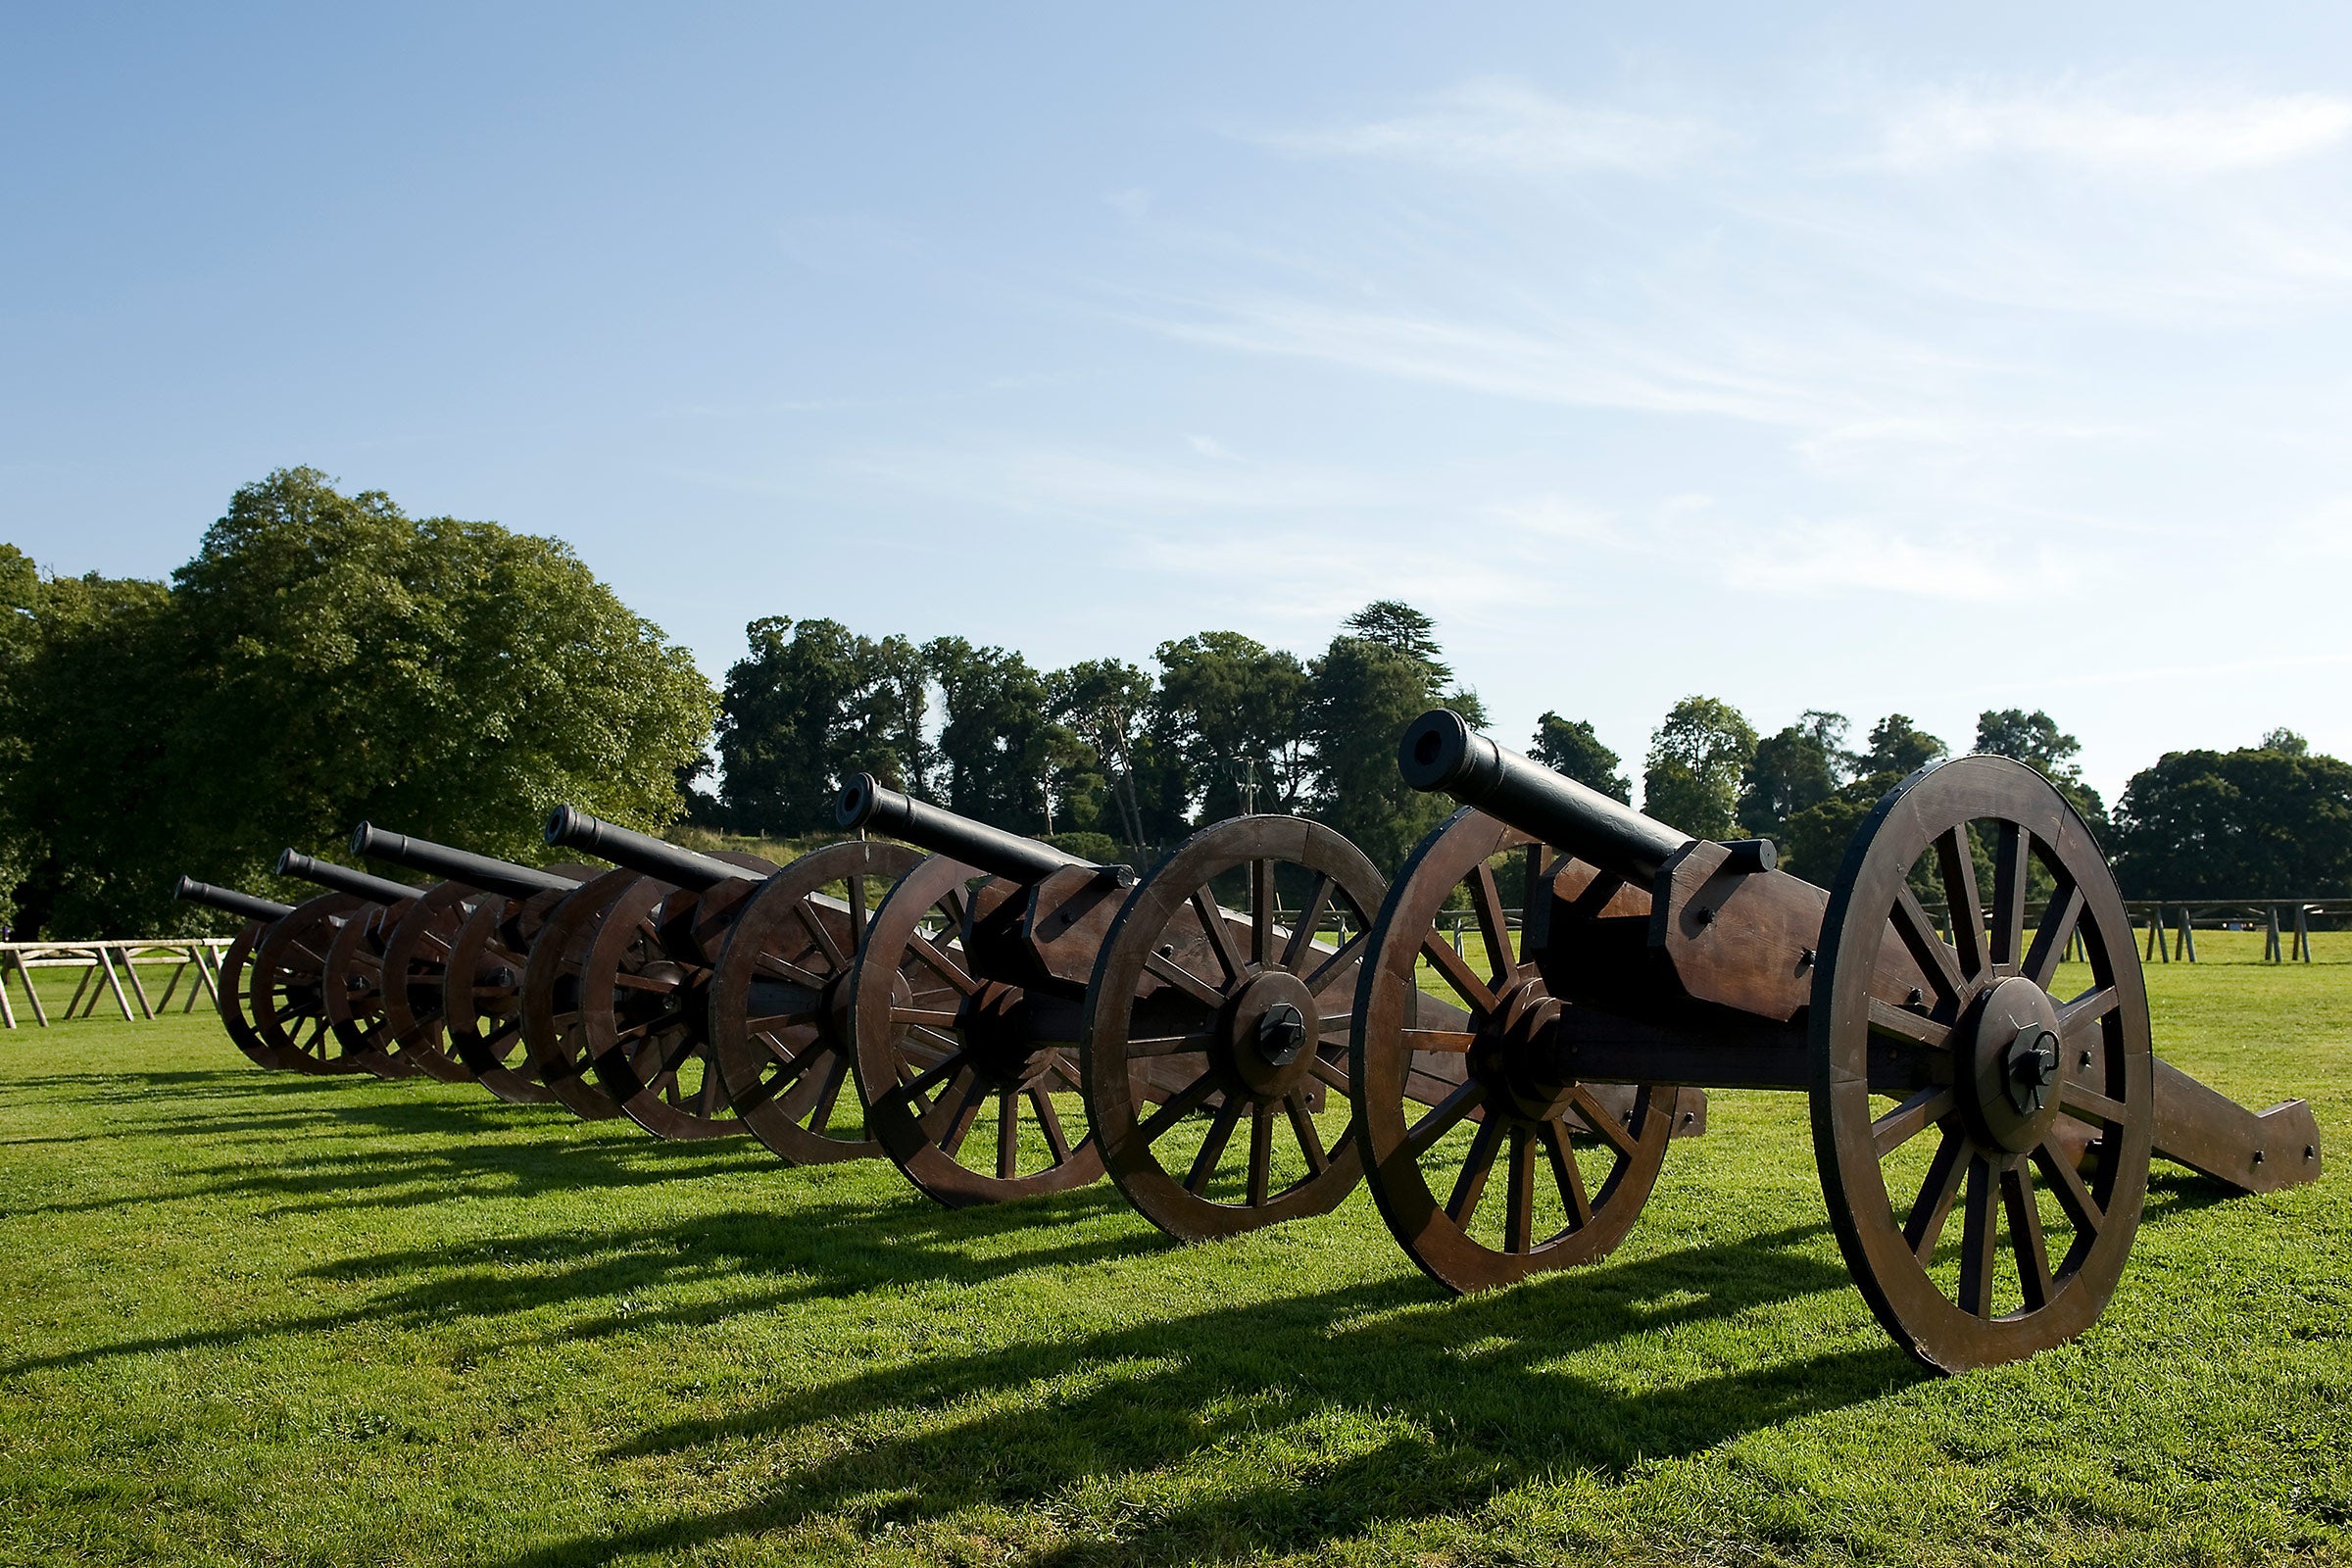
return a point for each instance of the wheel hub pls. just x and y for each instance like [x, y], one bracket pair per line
[1512, 1053]
[994, 1025]
[2013, 1063]
[1268, 1035]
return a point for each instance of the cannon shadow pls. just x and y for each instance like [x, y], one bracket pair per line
[1473, 1391]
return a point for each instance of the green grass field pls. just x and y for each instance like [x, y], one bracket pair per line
[252, 1318]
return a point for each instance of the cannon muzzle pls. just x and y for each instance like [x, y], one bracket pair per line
[229, 900]
[457, 865]
[641, 853]
[343, 879]
[865, 803]
[1440, 754]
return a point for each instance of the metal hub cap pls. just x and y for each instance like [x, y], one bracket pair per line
[2014, 1063]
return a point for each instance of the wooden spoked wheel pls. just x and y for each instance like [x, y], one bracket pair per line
[553, 994]
[236, 1006]
[936, 1047]
[289, 992]
[1205, 980]
[1961, 1073]
[481, 995]
[781, 999]
[644, 1009]
[415, 971]
[1446, 1103]
[354, 992]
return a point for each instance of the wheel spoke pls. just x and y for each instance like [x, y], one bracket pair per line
[1901, 1023]
[2056, 934]
[1050, 1120]
[2081, 1016]
[828, 1093]
[2009, 861]
[1182, 1104]
[1980, 1240]
[1261, 1152]
[1302, 932]
[2024, 1236]
[1457, 973]
[1008, 1136]
[967, 1111]
[1926, 949]
[1924, 1226]
[1471, 1184]
[1519, 1193]
[932, 957]
[1171, 1044]
[1261, 911]
[1605, 1126]
[2085, 1103]
[1910, 1118]
[776, 967]
[705, 1101]
[938, 1073]
[1566, 1174]
[1441, 1116]
[1302, 1127]
[1338, 963]
[2057, 1167]
[1212, 1148]
[1184, 980]
[816, 926]
[1442, 1039]
[1220, 937]
[1331, 1073]
[1494, 926]
[1967, 902]
[935, 1017]
[858, 911]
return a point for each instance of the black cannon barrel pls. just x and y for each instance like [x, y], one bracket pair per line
[191, 891]
[1441, 753]
[865, 803]
[343, 879]
[457, 865]
[641, 853]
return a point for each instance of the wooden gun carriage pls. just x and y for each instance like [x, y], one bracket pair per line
[1978, 1073]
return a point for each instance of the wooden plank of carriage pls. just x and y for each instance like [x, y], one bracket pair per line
[100, 978]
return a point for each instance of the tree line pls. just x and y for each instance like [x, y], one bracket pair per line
[325, 657]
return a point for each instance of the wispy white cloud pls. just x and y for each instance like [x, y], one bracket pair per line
[1505, 125]
[2111, 126]
[1807, 560]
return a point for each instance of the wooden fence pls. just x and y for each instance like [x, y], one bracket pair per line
[106, 967]
[2172, 925]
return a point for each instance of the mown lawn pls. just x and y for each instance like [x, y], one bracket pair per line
[257, 1318]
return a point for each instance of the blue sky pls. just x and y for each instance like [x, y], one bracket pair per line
[1864, 358]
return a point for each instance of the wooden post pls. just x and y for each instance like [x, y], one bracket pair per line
[2302, 933]
[208, 969]
[74, 1002]
[30, 995]
[2189, 938]
[2159, 946]
[2269, 940]
[132, 972]
[7, 1012]
[120, 1001]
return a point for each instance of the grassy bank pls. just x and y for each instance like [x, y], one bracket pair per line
[255, 1318]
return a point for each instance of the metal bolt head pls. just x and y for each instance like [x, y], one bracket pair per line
[1281, 1034]
[2032, 1067]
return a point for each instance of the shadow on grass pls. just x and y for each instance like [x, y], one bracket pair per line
[1472, 1392]
[816, 1250]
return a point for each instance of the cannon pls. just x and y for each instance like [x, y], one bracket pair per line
[236, 964]
[741, 965]
[1978, 1073]
[453, 964]
[1003, 970]
[350, 974]
[295, 993]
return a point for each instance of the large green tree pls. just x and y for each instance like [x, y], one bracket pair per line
[2250, 824]
[2035, 740]
[1235, 712]
[806, 710]
[1571, 748]
[1795, 768]
[1696, 760]
[325, 658]
[1106, 705]
[1361, 696]
[1814, 839]
[1000, 743]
